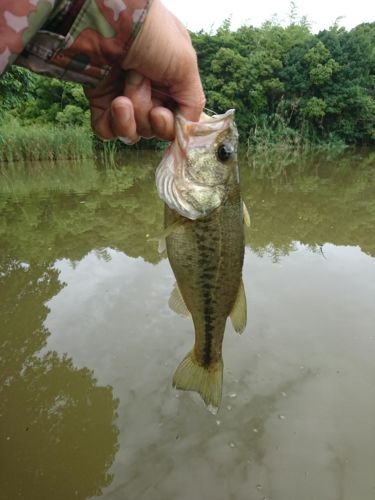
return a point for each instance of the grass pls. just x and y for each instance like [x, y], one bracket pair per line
[44, 143]
[25, 143]
[108, 152]
[271, 140]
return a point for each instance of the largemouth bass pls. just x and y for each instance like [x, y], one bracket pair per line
[199, 181]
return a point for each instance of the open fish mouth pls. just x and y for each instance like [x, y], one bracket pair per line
[195, 194]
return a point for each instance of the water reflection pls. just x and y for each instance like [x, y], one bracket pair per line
[53, 416]
[88, 346]
[72, 210]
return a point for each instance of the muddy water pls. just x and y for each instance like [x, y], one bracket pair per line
[88, 346]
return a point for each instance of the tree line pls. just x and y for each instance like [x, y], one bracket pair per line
[315, 87]
[321, 85]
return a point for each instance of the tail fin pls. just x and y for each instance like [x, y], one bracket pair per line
[208, 382]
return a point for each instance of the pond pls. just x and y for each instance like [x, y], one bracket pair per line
[89, 345]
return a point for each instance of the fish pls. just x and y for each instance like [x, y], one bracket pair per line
[198, 179]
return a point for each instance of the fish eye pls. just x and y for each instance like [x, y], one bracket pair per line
[224, 151]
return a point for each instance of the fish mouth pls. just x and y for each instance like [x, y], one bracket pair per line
[207, 124]
[177, 187]
[195, 135]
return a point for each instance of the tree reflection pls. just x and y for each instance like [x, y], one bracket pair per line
[314, 202]
[57, 426]
[58, 438]
[59, 217]
[318, 202]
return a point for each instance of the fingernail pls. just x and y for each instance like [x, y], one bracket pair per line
[126, 140]
[162, 123]
[165, 128]
[134, 78]
[122, 114]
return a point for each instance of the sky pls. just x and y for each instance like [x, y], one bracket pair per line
[207, 14]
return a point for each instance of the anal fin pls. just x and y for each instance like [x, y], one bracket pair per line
[238, 314]
[177, 303]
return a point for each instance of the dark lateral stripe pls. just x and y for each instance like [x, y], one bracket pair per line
[207, 351]
[205, 246]
[208, 275]
[211, 268]
[207, 272]
[208, 311]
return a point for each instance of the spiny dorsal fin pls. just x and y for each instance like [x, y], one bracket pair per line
[177, 303]
[238, 314]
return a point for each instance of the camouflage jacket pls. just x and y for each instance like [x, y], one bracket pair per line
[76, 40]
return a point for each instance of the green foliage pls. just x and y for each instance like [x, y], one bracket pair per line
[319, 88]
[72, 115]
[322, 86]
[57, 102]
[15, 89]
[314, 107]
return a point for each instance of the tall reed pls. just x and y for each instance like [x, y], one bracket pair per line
[44, 142]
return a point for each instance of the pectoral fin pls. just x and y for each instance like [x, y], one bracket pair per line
[161, 238]
[239, 311]
[162, 246]
[246, 215]
[177, 303]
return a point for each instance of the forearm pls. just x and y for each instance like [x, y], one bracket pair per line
[70, 39]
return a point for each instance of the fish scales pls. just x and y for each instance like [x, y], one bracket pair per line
[213, 250]
[198, 180]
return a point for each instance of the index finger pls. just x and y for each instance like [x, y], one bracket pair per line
[188, 92]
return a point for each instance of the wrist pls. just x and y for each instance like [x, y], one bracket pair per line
[160, 43]
[101, 33]
[82, 40]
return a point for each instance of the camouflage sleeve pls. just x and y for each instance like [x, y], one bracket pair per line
[76, 40]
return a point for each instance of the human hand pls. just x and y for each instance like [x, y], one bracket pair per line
[157, 75]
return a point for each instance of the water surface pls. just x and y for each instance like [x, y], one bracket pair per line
[89, 346]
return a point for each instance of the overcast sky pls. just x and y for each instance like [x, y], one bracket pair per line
[198, 14]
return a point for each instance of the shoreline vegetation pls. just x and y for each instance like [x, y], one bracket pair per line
[295, 93]
[51, 143]
[43, 142]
